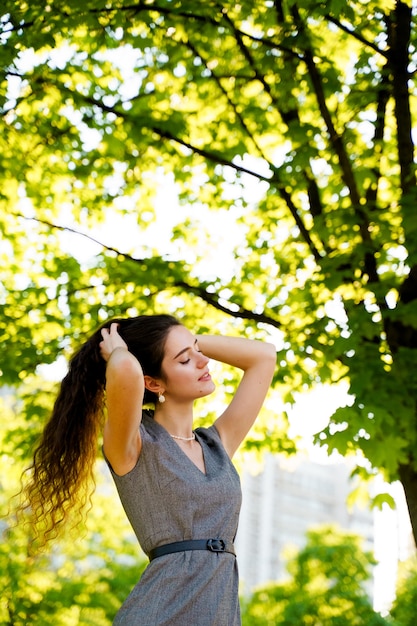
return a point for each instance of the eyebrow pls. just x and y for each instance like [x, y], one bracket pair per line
[184, 350]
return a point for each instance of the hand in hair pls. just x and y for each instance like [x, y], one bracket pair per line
[111, 341]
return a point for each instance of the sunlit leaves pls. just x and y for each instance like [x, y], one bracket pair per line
[134, 124]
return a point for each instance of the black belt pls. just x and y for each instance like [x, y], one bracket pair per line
[213, 545]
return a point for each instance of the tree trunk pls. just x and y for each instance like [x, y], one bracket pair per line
[408, 477]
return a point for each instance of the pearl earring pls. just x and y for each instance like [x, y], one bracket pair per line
[161, 397]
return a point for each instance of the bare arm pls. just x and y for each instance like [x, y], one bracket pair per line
[124, 394]
[257, 360]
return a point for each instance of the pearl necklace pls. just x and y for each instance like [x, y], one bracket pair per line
[184, 438]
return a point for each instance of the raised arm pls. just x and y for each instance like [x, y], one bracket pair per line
[124, 395]
[257, 360]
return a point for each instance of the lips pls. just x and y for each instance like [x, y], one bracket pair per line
[205, 376]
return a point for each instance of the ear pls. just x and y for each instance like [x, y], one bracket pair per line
[153, 384]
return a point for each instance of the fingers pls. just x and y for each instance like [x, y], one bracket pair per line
[112, 330]
[111, 340]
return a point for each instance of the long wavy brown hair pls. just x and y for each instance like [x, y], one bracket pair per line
[61, 477]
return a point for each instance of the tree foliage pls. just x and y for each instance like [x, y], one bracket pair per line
[288, 123]
[86, 577]
[326, 586]
[403, 611]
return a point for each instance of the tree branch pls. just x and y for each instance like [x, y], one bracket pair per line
[226, 95]
[276, 177]
[382, 101]
[399, 32]
[233, 310]
[353, 33]
[370, 266]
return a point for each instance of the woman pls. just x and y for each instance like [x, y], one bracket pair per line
[178, 486]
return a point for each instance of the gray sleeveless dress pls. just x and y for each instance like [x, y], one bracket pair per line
[166, 499]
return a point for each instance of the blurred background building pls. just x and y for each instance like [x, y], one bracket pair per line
[286, 497]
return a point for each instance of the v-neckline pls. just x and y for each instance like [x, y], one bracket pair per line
[164, 431]
[178, 447]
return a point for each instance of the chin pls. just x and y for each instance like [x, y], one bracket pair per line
[207, 392]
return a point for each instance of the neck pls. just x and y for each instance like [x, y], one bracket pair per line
[178, 421]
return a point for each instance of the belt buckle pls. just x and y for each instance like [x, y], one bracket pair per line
[216, 545]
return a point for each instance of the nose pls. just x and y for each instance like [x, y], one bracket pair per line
[202, 360]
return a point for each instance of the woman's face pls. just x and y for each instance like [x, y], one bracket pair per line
[185, 372]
